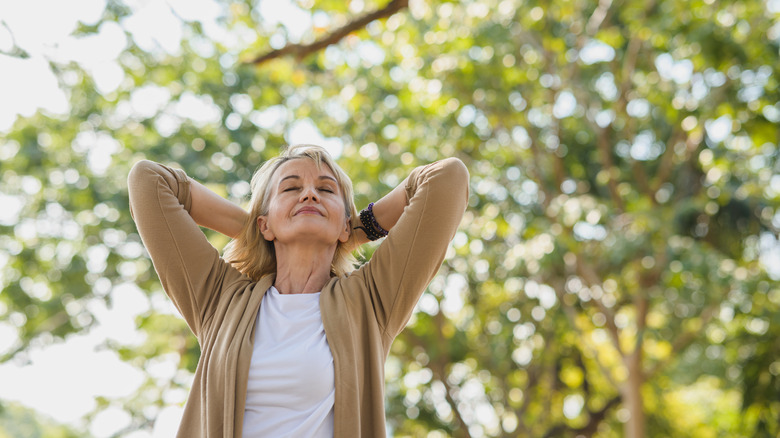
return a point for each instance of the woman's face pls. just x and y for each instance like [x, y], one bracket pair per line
[305, 205]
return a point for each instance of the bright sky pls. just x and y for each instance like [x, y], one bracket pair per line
[29, 85]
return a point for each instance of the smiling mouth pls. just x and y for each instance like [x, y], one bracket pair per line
[308, 211]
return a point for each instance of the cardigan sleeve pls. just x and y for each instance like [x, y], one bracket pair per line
[408, 259]
[189, 267]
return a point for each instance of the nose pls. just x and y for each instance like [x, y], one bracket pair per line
[309, 194]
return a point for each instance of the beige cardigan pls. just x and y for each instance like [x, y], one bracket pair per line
[362, 312]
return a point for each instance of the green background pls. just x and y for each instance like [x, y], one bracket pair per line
[607, 278]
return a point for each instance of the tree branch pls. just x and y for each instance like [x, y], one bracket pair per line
[609, 167]
[15, 51]
[438, 367]
[595, 418]
[559, 168]
[684, 340]
[533, 380]
[585, 344]
[598, 16]
[591, 279]
[300, 51]
[495, 363]
[641, 302]
[667, 161]
[628, 67]
[641, 179]
[537, 172]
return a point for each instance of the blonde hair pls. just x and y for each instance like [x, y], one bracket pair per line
[254, 256]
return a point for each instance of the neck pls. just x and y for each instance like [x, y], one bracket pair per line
[302, 268]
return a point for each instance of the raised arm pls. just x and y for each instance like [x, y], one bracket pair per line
[189, 268]
[422, 215]
[215, 212]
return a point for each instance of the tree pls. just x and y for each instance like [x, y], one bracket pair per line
[16, 421]
[624, 182]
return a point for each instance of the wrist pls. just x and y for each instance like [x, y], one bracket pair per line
[370, 226]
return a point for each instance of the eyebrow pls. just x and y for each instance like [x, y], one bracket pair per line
[298, 177]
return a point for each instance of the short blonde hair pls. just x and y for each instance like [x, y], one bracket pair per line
[254, 256]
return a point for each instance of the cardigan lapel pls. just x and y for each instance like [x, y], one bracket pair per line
[244, 359]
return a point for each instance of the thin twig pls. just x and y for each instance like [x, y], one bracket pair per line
[536, 171]
[606, 158]
[667, 161]
[16, 51]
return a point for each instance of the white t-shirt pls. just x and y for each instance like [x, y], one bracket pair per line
[291, 386]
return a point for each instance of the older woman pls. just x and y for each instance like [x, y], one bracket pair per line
[293, 338]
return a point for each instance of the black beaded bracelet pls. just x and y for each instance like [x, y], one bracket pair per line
[372, 228]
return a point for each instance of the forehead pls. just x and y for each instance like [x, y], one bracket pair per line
[303, 167]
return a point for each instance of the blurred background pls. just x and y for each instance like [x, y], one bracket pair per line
[615, 274]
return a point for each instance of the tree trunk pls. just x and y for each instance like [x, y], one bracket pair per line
[632, 396]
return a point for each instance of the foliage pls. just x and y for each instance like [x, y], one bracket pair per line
[607, 275]
[19, 422]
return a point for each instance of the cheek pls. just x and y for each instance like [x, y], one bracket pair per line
[273, 218]
[338, 209]
[278, 205]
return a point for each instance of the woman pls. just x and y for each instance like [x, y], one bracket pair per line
[293, 339]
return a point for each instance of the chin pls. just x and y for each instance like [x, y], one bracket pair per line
[313, 237]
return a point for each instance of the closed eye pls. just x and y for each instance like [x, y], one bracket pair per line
[326, 189]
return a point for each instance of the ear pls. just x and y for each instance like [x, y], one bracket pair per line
[265, 230]
[345, 233]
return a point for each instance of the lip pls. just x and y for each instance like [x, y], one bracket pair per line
[308, 210]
